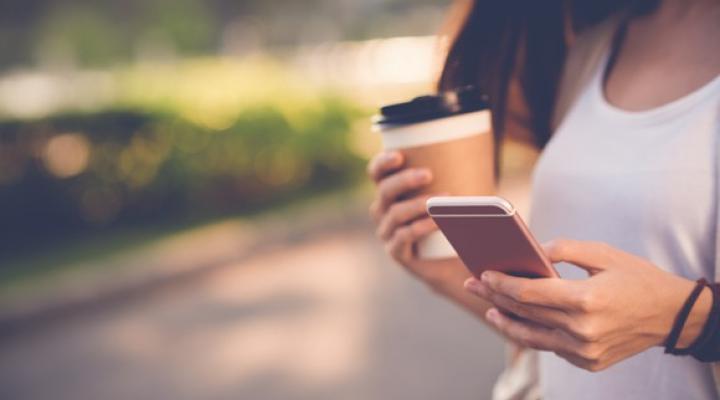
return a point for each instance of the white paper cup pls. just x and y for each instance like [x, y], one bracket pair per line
[456, 146]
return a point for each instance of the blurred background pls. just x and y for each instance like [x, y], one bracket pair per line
[183, 204]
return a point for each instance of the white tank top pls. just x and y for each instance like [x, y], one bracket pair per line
[643, 182]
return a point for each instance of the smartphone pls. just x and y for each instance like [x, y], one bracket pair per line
[488, 234]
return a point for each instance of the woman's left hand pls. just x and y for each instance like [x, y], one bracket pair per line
[626, 306]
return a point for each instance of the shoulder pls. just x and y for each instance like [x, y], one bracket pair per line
[585, 51]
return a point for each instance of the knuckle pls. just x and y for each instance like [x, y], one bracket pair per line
[384, 226]
[390, 217]
[587, 332]
[558, 248]
[566, 324]
[521, 295]
[594, 366]
[395, 254]
[413, 233]
[374, 210]
[416, 229]
[518, 291]
[501, 302]
[516, 337]
[389, 248]
[403, 235]
[526, 340]
[395, 185]
[590, 352]
[418, 206]
[603, 249]
[384, 190]
[497, 299]
[380, 232]
[521, 312]
[530, 341]
[586, 302]
[393, 248]
[524, 336]
[422, 227]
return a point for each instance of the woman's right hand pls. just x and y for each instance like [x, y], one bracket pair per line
[402, 220]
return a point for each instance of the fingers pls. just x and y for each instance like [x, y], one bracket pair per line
[383, 164]
[544, 315]
[400, 223]
[548, 292]
[590, 356]
[580, 362]
[529, 334]
[392, 187]
[395, 185]
[400, 246]
[590, 256]
[400, 213]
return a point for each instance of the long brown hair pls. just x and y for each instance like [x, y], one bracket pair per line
[494, 40]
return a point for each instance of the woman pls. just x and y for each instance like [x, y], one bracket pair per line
[623, 98]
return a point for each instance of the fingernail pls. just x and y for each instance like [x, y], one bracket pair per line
[476, 287]
[472, 284]
[492, 315]
[486, 277]
[392, 157]
[423, 175]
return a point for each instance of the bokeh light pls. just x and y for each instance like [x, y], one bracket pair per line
[67, 154]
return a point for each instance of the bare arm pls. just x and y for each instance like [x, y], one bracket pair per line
[402, 221]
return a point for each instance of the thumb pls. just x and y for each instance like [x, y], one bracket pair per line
[593, 257]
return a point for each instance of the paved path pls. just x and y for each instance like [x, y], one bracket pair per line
[325, 318]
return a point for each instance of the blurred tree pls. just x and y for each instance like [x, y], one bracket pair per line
[75, 174]
[98, 32]
[75, 34]
[187, 25]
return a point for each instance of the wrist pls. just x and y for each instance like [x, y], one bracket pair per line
[439, 275]
[440, 279]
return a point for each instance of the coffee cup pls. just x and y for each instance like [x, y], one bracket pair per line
[450, 134]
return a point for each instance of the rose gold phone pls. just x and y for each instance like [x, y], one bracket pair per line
[488, 234]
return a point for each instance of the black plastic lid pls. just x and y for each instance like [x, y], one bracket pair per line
[426, 108]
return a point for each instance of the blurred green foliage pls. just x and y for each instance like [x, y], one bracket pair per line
[99, 33]
[80, 173]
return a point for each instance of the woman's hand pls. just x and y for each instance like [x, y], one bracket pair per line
[402, 220]
[626, 306]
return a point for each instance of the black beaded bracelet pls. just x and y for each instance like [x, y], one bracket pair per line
[682, 317]
[707, 346]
